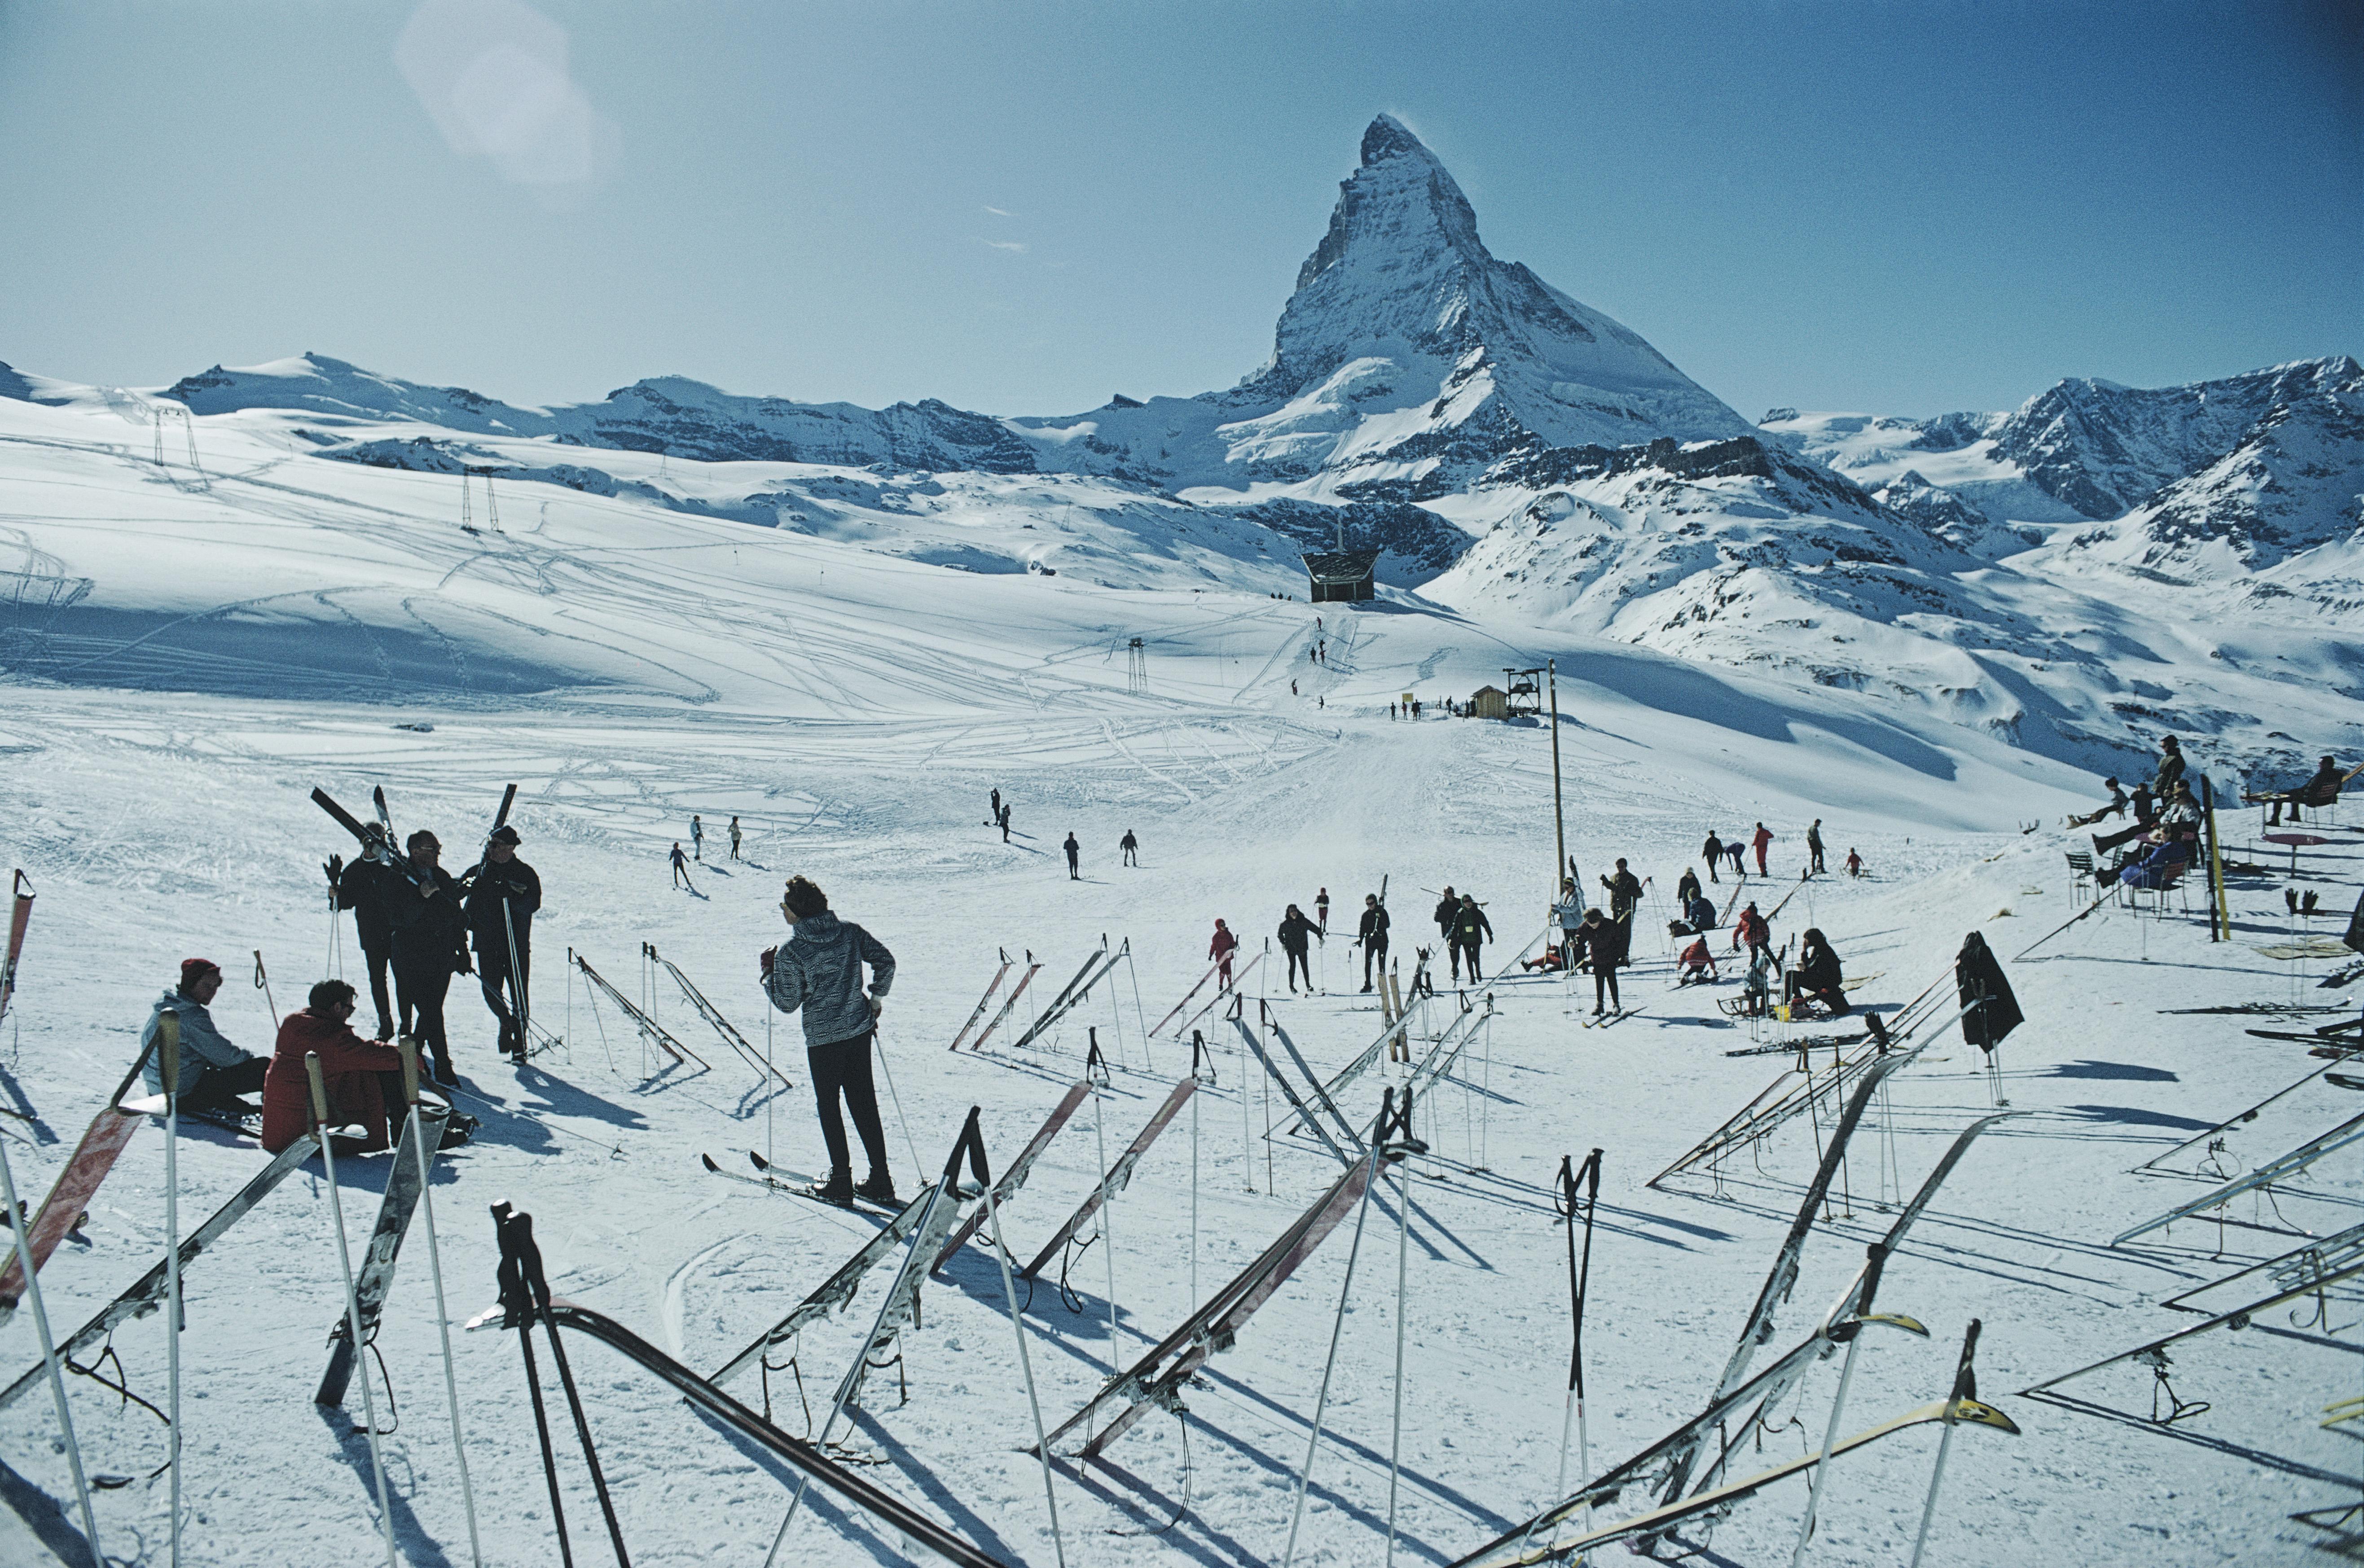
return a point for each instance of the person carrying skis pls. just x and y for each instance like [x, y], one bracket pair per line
[369, 889]
[1321, 910]
[1600, 946]
[1296, 934]
[502, 898]
[1714, 851]
[1448, 909]
[1854, 862]
[430, 945]
[1132, 848]
[1373, 934]
[1751, 929]
[734, 838]
[1221, 950]
[1817, 975]
[819, 975]
[1470, 930]
[1624, 892]
[1074, 858]
[1814, 848]
[1687, 888]
[213, 1072]
[1762, 838]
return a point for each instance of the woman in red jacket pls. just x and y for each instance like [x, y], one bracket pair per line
[354, 1071]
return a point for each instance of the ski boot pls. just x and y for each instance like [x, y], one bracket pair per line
[880, 1189]
[837, 1190]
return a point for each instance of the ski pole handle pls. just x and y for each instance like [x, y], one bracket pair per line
[409, 1049]
[168, 1043]
[319, 1091]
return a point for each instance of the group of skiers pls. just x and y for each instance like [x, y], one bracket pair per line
[681, 862]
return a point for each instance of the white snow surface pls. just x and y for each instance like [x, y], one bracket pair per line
[193, 651]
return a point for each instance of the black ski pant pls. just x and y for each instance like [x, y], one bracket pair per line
[1373, 951]
[1131, 856]
[1465, 953]
[378, 956]
[1072, 872]
[1296, 962]
[423, 988]
[844, 1068]
[217, 1087]
[1604, 988]
[493, 970]
[1816, 850]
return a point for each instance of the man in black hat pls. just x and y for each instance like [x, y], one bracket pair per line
[502, 898]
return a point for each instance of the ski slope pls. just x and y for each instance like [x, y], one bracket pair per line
[205, 648]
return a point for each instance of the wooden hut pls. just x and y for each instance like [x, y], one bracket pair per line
[1488, 702]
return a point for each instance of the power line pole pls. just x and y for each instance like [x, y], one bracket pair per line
[1559, 817]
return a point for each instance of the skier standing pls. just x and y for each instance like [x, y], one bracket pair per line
[502, 898]
[1074, 858]
[734, 838]
[430, 945]
[1470, 930]
[1624, 892]
[1567, 915]
[369, 889]
[1321, 910]
[1132, 848]
[1601, 941]
[1751, 928]
[680, 866]
[819, 972]
[997, 804]
[1005, 823]
[2171, 769]
[1854, 863]
[1687, 888]
[213, 1072]
[697, 838]
[1762, 838]
[1448, 909]
[1221, 950]
[1714, 851]
[1373, 934]
[1296, 934]
[1814, 848]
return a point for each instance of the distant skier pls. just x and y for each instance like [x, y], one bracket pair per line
[1296, 934]
[1600, 946]
[819, 973]
[213, 1072]
[1714, 851]
[1732, 852]
[1221, 950]
[1854, 863]
[1762, 838]
[734, 838]
[1447, 910]
[430, 945]
[680, 866]
[1005, 822]
[1372, 933]
[1624, 892]
[1471, 929]
[502, 899]
[697, 838]
[997, 806]
[369, 889]
[1687, 888]
[1074, 858]
[1321, 910]
[1814, 848]
[1132, 848]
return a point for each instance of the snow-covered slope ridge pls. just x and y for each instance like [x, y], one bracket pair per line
[1408, 355]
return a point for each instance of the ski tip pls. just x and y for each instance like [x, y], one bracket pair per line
[708, 1161]
[1971, 1410]
[761, 1163]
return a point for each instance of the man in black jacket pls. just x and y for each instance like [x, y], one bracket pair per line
[1297, 936]
[502, 898]
[369, 890]
[1470, 928]
[430, 945]
[1447, 910]
[1373, 935]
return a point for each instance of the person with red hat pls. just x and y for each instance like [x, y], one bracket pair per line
[213, 1072]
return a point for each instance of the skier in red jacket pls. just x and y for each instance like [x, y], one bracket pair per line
[1221, 951]
[354, 1071]
[1751, 928]
[1762, 837]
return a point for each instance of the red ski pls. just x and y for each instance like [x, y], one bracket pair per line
[20, 915]
[1118, 1176]
[70, 1196]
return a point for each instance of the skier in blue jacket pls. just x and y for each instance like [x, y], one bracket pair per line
[819, 973]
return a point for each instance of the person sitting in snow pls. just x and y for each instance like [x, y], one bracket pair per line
[364, 1079]
[213, 1072]
[1697, 964]
[1817, 976]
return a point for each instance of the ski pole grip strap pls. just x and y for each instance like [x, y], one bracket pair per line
[168, 1059]
[409, 1049]
[320, 1089]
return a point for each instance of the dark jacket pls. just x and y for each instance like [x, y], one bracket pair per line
[1598, 946]
[1687, 889]
[1444, 912]
[819, 971]
[1978, 977]
[1470, 926]
[369, 890]
[1713, 848]
[2170, 771]
[348, 1070]
[1624, 892]
[1296, 931]
[431, 928]
[1818, 967]
[514, 884]
[1373, 932]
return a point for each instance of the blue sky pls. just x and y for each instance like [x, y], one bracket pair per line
[1024, 208]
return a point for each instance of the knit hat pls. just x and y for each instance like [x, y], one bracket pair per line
[504, 834]
[195, 969]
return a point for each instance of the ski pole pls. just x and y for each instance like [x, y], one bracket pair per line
[262, 983]
[1838, 1405]
[409, 1049]
[1337, 1330]
[168, 1063]
[1965, 1388]
[1403, 1265]
[1017, 1327]
[905, 1123]
[24, 1248]
[353, 1299]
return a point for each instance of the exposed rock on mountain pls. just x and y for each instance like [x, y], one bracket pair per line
[1414, 544]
